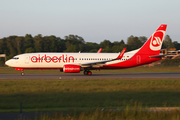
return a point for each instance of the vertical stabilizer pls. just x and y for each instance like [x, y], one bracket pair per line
[154, 43]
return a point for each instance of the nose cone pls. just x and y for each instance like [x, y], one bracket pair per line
[8, 63]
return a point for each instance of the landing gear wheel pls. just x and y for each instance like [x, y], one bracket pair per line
[22, 73]
[85, 72]
[89, 73]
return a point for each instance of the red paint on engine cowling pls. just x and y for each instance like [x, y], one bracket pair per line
[71, 68]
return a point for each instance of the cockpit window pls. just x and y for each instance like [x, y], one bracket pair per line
[16, 58]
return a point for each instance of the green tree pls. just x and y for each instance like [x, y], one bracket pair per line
[19, 43]
[106, 46]
[72, 48]
[28, 42]
[1, 45]
[46, 44]
[143, 39]
[61, 45]
[133, 42]
[117, 46]
[11, 45]
[168, 42]
[53, 43]
[91, 47]
[122, 42]
[38, 43]
[29, 50]
[75, 38]
[176, 45]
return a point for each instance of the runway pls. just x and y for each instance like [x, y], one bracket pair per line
[94, 76]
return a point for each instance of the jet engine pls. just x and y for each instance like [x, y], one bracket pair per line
[71, 68]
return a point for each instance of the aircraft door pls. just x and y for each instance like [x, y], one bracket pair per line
[27, 59]
[138, 59]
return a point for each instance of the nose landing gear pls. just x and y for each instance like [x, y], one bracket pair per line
[22, 73]
[20, 69]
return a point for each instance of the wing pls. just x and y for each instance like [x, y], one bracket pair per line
[100, 63]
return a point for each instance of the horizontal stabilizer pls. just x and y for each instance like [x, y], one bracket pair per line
[157, 56]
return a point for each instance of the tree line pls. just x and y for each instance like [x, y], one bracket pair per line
[14, 45]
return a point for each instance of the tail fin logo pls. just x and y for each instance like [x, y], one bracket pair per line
[156, 40]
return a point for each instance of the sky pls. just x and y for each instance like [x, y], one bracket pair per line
[94, 20]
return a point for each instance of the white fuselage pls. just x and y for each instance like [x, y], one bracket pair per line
[58, 60]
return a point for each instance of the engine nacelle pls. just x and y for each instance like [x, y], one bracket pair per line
[71, 68]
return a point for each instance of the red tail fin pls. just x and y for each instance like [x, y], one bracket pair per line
[153, 45]
[99, 51]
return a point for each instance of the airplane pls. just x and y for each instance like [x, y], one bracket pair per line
[76, 62]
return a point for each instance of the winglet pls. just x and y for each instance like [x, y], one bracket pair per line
[99, 51]
[121, 54]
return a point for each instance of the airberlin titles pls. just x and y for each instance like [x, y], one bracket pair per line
[63, 58]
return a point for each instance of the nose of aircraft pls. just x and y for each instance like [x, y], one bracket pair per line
[8, 63]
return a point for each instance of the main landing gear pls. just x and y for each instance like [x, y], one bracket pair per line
[87, 72]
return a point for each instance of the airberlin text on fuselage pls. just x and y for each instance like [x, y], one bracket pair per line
[54, 59]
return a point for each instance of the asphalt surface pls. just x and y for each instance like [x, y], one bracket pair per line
[93, 76]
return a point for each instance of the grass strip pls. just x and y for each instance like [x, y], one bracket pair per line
[84, 94]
